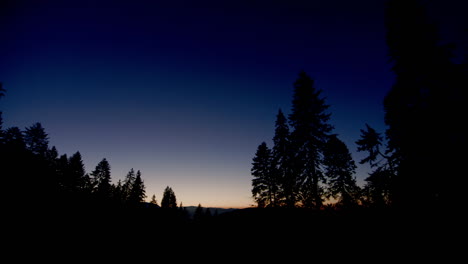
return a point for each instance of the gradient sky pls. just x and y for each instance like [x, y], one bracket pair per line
[186, 91]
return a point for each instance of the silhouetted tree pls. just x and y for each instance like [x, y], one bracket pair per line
[154, 201]
[128, 184]
[169, 199]
[423, 109]
[198, 215]
[137, 193]
[101, 179]
[309, 120]
[36, 139]
[61, 170]
[377, 191]
[75, 179]
[51, 155]
[118, 193]
[340, 168]
[263, 183]
[370, 141]
[281, 163]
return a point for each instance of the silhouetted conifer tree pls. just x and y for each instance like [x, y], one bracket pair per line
[198, 215]
[36, 139]
[340, 168]
[118, 193]
[281, 163]
[128, 184]
[169, 199]
[137, 192]
[263, 183]
[52, 155]
[423, 109]
[51, 159]
[183, 212]
[154, 201]
[62, 172]
[101, 179]
[378, 188]
[309, 120]
[75, 180]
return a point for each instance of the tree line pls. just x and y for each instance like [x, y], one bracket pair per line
[417, 163]
[44, 177]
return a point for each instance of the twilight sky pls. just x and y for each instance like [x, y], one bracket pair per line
[185, 91]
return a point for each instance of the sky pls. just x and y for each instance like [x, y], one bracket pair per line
[185, 91]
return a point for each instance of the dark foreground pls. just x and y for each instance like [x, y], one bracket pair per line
[287, 234]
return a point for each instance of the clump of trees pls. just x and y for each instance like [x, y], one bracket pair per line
[53, 181]
[62, 179]
[307, 163]
[417, 164]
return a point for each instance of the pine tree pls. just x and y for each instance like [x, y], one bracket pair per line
[309, 120]
[101, 178]
[52, 155]
[198, 215]
[377, 191]
[263, 183]
[118, 193]
[340, 168]
[169, 199]
[423, 109]
[36, 139]
[128, 184]
[154, 201]
[137, 192]
[281, 159]
[75, 177]
[183, 212]
[61, 171]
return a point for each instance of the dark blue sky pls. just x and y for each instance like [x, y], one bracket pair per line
[186, 91]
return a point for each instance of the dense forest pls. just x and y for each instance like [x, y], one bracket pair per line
[416, 163]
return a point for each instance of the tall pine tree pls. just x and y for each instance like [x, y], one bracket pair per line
[169, 199]
[423, 109]
[309, 121]
[340, 168]
[128, 184]
[137, 192]
[102, 179]
[281, 163]
[378, 188]
[263, 182]
[75, 179]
